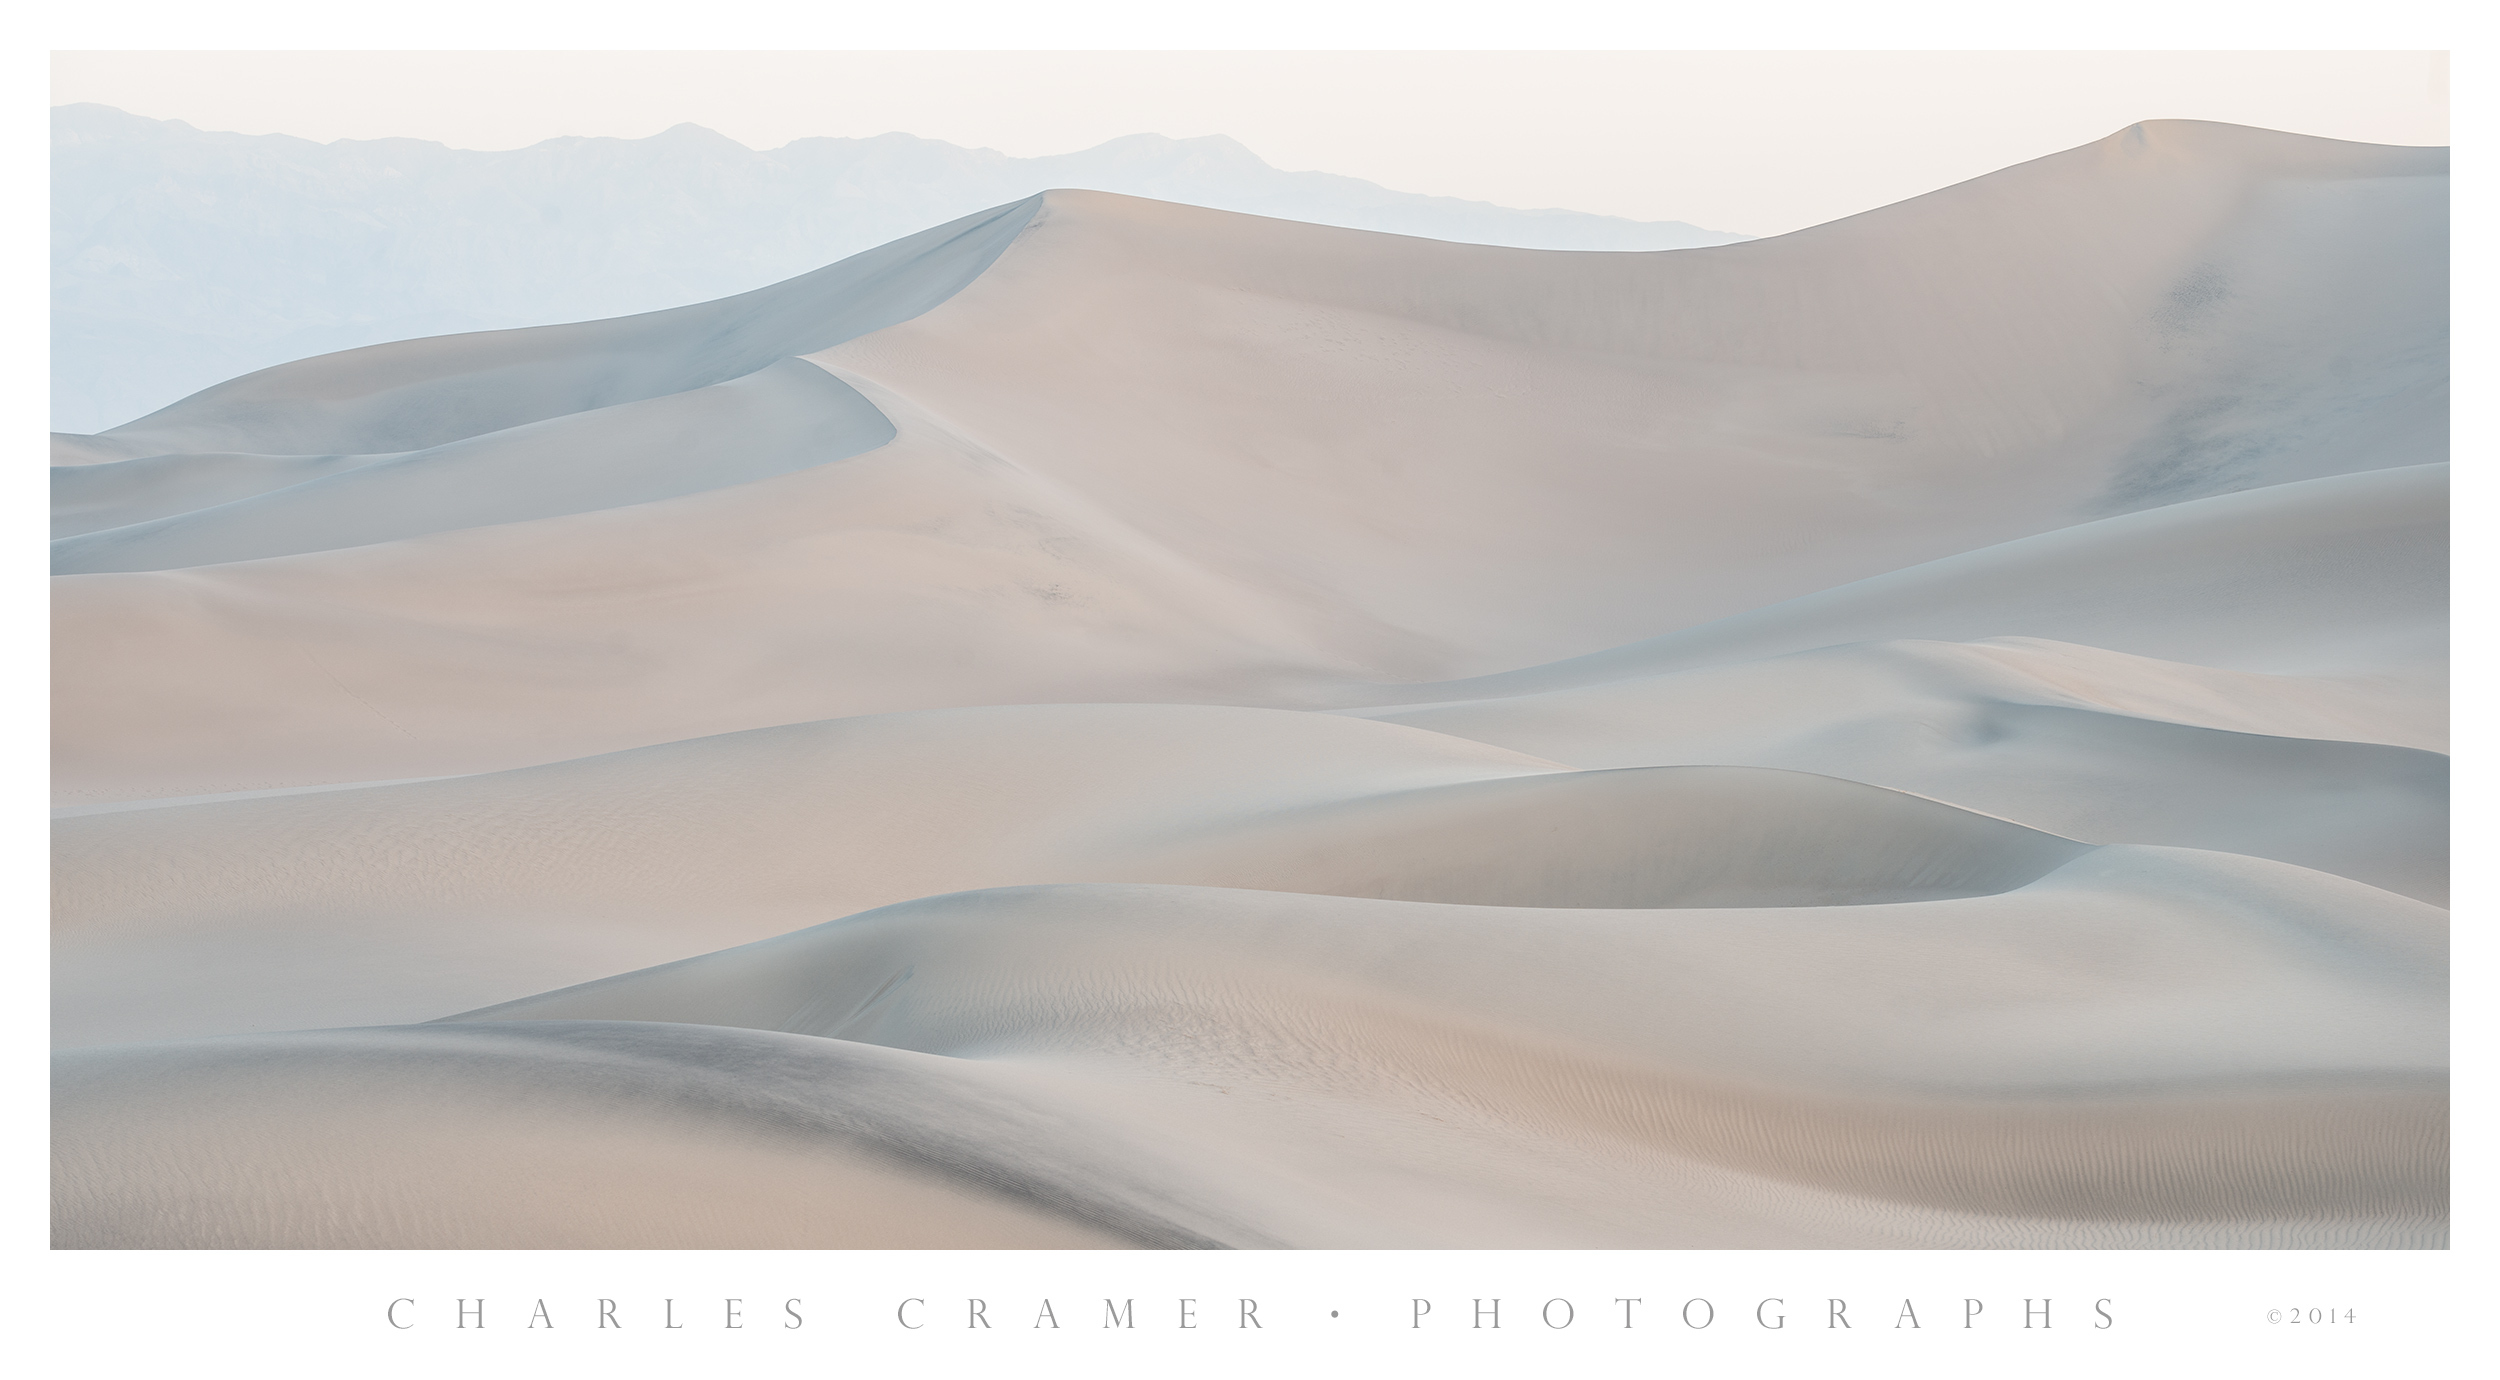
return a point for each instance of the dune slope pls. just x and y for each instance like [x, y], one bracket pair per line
[1334, 1072]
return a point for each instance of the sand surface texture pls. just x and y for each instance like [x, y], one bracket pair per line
[1112, 724]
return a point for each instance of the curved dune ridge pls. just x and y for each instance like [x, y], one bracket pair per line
[1111, 724]
[783, 417]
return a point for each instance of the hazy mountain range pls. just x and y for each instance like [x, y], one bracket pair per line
[182, 257]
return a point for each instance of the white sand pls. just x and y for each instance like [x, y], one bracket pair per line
[1109, 723]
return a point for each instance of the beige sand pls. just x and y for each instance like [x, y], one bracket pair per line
[1109, 723]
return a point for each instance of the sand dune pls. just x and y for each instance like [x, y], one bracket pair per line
[1090, 430]
[952, 580]
[2077, 741]
[898, 1162]
[1267, 1048]
[1114, 724]
[1895, 388]
[2338, 576]
[454, 890]
[185, 256]
[780, 418]
[420, 393]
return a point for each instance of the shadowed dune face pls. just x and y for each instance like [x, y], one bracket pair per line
[1107, 724]
[421, 393]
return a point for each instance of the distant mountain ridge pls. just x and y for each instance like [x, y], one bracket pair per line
[183, 257]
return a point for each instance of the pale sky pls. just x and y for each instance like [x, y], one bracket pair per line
[1758, 143]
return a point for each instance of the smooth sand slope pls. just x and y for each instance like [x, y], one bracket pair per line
[1112, 724]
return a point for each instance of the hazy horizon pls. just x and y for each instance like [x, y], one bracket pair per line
[1743, 142]
[184, 257]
